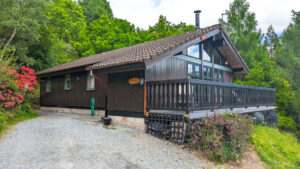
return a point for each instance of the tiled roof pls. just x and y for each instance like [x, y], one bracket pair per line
[132, 54]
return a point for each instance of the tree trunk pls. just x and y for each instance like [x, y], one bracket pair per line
[6, 45]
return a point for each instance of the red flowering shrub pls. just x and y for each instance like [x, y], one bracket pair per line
[14, 86]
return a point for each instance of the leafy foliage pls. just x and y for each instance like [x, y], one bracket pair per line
[222, 138]
[271, 62]
[287, 56]
[65, 19]
[241, 28]
[286, 123]
[106, 34]
[19, 27]
[93, 9]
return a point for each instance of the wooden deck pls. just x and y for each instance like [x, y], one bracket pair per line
[190, 96]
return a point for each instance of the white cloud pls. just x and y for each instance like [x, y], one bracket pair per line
[145, 12]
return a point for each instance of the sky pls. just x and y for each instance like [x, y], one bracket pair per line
[143, 13]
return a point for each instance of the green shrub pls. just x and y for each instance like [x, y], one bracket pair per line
[277, 148]
[298, 135]
[221, 138]
[10, 117]
[26, 107]
[286, 123]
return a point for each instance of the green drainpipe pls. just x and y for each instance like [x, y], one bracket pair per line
[92, 106]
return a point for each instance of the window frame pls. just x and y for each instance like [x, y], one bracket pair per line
[68, 76]
[193, 75]
[48, 83]
[206, 77]
[218, 75]
[87, 83]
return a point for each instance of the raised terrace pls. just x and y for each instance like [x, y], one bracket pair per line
[200, 98]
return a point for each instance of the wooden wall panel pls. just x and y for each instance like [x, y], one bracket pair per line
[228, 77]
[168, 69]
[78, 96]
[125, 97]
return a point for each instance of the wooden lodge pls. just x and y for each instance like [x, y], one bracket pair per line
[187, 75]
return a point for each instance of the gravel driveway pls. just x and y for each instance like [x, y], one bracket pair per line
[57, 140]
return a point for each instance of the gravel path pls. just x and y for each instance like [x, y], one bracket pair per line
[57, 140]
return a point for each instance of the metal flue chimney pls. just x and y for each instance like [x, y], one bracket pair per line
[197, 19]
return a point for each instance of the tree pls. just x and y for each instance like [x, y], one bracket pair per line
[287, 56]
[19, 27]
[265, 71]
[164, 28]
[272, 41]
[241, 28]
[93, 9]
[107, 34]
[66, 23]
[66, 20]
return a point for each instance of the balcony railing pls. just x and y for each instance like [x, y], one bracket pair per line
[193, 94]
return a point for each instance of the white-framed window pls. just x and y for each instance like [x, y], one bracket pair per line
[48, 85]
[67, 84]
[90, 82]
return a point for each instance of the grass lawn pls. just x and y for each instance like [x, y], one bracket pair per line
[9, 118]
[278, 149]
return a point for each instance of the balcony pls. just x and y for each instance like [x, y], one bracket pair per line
[192, 95]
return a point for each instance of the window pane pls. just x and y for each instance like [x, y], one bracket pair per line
[205, 52]
[48, 85]
[209, 73]
[190, 69]
[67, 82]
[217, 57]
[205, 71]
[193, 51]
[197, 70]
[221, 75]
[216, 74]
[90, 82]
[92, 86]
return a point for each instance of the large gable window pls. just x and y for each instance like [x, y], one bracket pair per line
[205, 52]
[67, 84]
[90, 82]
[48, 85]
[193, 51]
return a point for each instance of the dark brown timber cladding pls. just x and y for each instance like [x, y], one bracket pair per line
[125, 97]
[168, 69]
[228, 77]
[78, 96]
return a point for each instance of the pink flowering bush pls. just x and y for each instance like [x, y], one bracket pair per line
[15, 86]
[221, 138]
